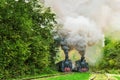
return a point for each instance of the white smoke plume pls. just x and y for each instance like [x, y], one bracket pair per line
[85, 22]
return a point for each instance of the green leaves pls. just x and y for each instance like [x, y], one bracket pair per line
[25, 38]
[111, 54]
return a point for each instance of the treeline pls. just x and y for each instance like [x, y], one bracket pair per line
[111, 53]
[26, 42]
[110, 62]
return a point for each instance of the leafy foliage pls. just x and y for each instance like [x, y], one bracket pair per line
[111, 54]
[25, 38]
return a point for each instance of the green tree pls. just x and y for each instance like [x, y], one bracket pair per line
[111, 54]
[25, 37]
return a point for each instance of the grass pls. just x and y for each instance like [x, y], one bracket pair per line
[117, 77]
[27, 77]
[72, 76]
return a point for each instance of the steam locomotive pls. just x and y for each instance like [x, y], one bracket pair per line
[80, 66]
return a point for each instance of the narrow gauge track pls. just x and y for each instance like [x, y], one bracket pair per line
[102, 76]
[47, 76]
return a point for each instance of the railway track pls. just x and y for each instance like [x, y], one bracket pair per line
[105, 76]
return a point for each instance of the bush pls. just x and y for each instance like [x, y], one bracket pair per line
[26, 38]
[111, 55]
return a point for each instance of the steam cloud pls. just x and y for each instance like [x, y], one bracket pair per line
[85, 22]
